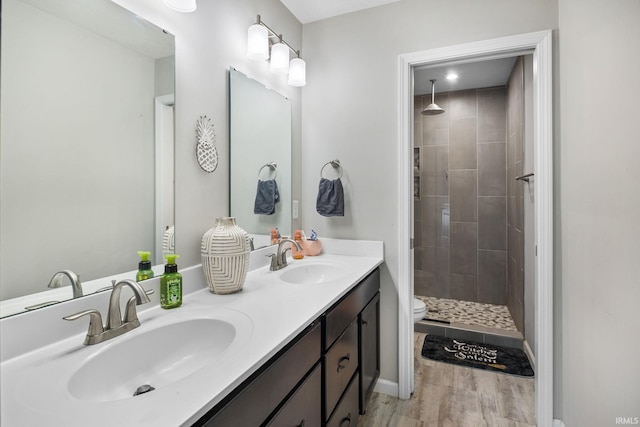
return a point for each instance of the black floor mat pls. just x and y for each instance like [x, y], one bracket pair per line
[477, 355]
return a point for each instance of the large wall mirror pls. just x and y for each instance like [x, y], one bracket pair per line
[86, 142]
[260, 138]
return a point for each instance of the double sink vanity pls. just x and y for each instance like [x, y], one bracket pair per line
[298, 346]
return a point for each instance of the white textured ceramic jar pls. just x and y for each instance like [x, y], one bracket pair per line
[225, 256]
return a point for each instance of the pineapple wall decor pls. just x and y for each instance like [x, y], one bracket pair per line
[205, 150]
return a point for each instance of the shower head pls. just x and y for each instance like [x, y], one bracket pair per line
[433, 108]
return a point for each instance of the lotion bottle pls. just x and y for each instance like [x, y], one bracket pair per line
[144, 267]
[171, 284]
[295, 253]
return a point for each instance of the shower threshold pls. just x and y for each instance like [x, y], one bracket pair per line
[487, 323]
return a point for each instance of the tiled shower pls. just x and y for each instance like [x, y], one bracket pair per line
[467, 206]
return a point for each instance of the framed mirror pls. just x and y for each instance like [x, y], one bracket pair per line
[260, 138]
[86, 144]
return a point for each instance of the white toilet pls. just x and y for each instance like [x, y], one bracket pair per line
[419, 310]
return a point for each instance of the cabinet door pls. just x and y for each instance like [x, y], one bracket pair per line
[341, 362]
[369, 365]
[303, 408]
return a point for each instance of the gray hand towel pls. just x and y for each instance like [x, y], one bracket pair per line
[267, 196]
[330, 201]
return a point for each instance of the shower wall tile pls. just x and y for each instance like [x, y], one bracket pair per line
[422, 283]
[462, 104]
[463, 287]
[464, 197]
[463, 147]
[417, 258]
[417, 230]
[434, 277]
[435, 129]
[435, 221]
[492, 277]
[516, 308]
[492, 227]
[435, 161]
[460, 222]
[492, 169]
[417, 121]
[463, 249]
[515, 195]
[491, 115]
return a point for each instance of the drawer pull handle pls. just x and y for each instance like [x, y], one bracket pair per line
[347, 419]
[365, 323]
[301, 424]
[343, 359]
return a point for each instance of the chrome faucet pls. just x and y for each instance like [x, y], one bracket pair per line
[279, 259]
[56, 281]
[116, 325]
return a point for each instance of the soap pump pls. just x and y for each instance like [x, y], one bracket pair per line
[171, 284]
[144, 267]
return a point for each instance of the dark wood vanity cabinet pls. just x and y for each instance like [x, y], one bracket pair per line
[351, 352]
[369, 363]
[252, 403]
[323, 377]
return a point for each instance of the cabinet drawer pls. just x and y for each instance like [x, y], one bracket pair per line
[259, 396]
[340, 363]
[346, 414]
[340, 316]
[304, 407]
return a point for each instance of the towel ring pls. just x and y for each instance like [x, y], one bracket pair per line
[273, 166]
[335, 164]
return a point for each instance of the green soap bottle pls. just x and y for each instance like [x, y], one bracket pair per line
[144, 267]
[171, 284]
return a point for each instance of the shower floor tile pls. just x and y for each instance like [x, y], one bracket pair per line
[468, 312]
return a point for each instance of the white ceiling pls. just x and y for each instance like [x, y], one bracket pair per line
[314, 10]
[471, 75]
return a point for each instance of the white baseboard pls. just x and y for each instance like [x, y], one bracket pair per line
[387, 387]
[529, 352]
[558, 423]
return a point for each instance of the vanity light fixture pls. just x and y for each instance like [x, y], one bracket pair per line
[297, 72]
[181, 5]
[259, 37]
[451, 76]
[279, 58]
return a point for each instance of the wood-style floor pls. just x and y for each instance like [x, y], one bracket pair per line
[453, 396]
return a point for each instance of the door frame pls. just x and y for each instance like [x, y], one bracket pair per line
[540, 45]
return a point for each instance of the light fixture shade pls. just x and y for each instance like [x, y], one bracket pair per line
[297, 72]
[257, 43]
[181, 5]
[279, 59]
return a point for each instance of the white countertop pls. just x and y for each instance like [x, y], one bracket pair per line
[277, 312]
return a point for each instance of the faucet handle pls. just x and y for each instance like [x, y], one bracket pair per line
[283, 258]
[131, 313]
[95, 321]
[274, 261]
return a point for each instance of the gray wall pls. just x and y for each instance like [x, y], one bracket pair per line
[597, 207]
[350, 112]
[459, 220]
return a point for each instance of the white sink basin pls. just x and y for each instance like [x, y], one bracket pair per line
[170, 351]
[157, 357]
[310, 274]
